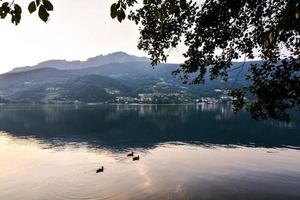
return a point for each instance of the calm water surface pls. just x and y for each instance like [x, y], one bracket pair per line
[186, 152]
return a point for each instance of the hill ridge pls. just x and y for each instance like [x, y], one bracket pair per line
[116, 57]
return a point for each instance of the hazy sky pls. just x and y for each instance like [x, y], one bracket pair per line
[77, 29]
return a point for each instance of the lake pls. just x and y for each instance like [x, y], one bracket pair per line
[186, 152]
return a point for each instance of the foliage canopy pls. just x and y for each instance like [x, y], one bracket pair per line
[14, 10]
[218, 32]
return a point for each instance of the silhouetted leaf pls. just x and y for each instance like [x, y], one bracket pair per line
[18, 9]
[48, 5]
[121, 15]
[32, 7]
[38, 2]
[113, 11]
[43, 14]
[4, 10]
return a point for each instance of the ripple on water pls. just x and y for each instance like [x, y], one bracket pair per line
[80, 181]
[169, 171]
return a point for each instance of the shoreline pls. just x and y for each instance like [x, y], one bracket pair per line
[113, 104]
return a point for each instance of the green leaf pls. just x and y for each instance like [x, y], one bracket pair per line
[113, 11]
[38, 2]
[32, 7]
[43, 14]
[48, 5]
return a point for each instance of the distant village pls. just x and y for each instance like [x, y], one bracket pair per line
[180, 97]
[173, 98]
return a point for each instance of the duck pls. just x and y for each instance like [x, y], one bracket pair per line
[136, 158]
[130, 154]
[100, 169]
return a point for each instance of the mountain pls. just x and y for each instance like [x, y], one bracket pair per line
[11, 83]
[127, 77]
[89, 88]
[117, 57]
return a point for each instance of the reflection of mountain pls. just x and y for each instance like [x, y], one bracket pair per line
[103, 78]
[144, 126]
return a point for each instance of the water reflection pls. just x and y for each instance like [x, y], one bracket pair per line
[120, 127]
[31, 169]
[186, 152]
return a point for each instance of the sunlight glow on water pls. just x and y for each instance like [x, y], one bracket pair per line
[32, 169]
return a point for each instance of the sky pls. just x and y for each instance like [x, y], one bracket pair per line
[77, 30]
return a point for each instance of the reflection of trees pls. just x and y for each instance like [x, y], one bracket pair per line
[179, 111]
[144, 125]
[52, 113]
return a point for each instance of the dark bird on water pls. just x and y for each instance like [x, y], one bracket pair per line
[130, 154]
[100, 169]
[136, 158]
